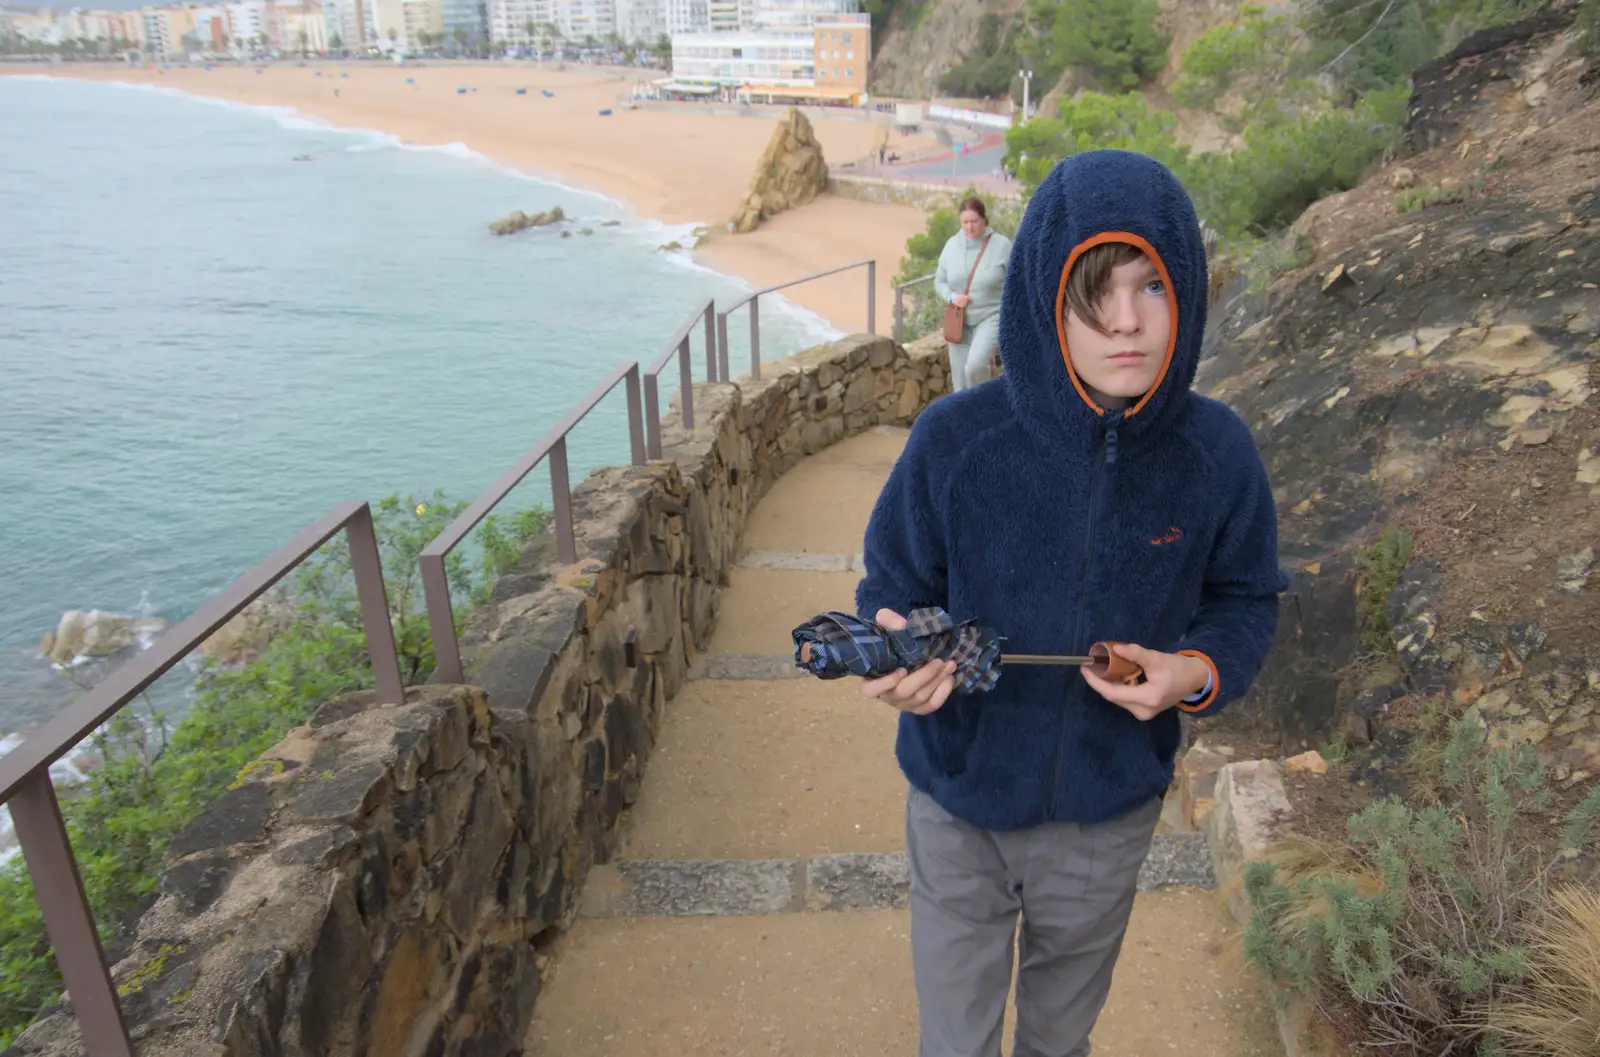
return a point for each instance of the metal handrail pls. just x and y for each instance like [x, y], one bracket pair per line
[26, 788]
[753, 300]
[436, 584]
[900, 306]
[678, 345]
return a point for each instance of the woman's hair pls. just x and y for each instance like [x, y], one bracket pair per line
[1090, 274]
[975, 204]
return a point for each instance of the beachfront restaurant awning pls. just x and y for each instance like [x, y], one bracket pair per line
[688, 89]
[848, 96]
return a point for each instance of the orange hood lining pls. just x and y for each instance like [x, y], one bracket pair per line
[1061, 322]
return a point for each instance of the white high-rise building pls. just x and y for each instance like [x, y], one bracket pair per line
[520, 21]
[797, 16]
[686, 16]
[581, 20]
[640, 21]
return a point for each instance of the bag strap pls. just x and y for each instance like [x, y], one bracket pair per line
[974, 272]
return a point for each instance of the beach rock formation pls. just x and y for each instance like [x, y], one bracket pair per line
[791, 173]
[95, 633]
[1430, 376]
[520, 221]
[243, 638]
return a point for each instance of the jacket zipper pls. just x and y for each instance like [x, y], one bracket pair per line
[1108, 441]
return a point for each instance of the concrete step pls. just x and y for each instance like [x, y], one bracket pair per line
[823, 882]
[840, 985]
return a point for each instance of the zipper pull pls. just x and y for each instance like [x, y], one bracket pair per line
[1111, 440]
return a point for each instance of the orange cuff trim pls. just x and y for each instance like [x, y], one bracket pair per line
[1216, 682]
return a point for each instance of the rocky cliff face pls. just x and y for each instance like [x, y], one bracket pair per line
[1434, 369]
[924, 41]
[791, 173]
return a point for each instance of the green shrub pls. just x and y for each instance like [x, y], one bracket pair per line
[1380, 564]
[1297, 149]
[153, 777]
[991, 68]
[1256, 44]
[1413, 199]
[1417, 927]
[1113, 43]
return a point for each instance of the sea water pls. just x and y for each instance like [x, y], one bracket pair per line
[216, 321]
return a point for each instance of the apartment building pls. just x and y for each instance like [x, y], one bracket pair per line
[825, 45]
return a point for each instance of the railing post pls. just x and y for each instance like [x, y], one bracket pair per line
[755, 338]
[68, 921]
[441, 620]
[723, 375]
[872, 295]
[561, 500]
[367, 567]
[635, 419]
[686, 383]
[652, 417]
[899, 315]
[711, 345]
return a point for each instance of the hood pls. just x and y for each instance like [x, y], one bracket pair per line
[1098, 196]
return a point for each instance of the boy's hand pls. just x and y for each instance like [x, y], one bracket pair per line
[919, 692]
[1168, 679]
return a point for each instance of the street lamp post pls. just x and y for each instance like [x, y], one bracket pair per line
[1027, 79]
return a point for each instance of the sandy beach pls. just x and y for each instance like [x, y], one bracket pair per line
[677, 166]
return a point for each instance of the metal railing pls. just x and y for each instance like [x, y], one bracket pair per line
[900, 306]
[678, 345]
[753, 300]
[26, 788]
[436, 584]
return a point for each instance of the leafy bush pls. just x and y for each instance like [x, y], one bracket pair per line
[1258, 43]
[153, 778]
[1380, 564]
[1418, 928]
[1114, 43]
[1368, 47]
[991, 68]
[1296, 151]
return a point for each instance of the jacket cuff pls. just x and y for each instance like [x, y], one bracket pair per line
[1215, 681]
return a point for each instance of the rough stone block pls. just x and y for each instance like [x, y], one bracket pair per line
[1251, 805]
[857, 882]
[711, 888]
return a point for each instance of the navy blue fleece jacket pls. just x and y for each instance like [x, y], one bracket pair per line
[1022, 503]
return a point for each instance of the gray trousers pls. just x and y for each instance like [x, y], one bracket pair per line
[1073, 888]
[972, 361]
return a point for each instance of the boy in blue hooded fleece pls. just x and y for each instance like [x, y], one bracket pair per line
[1086, 494]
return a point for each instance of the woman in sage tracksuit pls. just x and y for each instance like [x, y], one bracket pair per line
[972, 357]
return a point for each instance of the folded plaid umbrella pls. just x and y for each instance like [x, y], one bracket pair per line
[834, 645]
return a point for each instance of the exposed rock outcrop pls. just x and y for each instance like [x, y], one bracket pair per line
[791, 173]
[95, 633]
[520, 221]
[1435, 369]
[252, 629]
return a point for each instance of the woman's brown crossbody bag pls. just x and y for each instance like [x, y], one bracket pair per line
[955, 316]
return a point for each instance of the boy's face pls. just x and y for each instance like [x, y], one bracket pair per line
[1133, 309]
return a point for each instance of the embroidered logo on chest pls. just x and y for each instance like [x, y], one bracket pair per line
[1172, 535]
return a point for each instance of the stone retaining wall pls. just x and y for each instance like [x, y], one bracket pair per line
[382, 881]
[905, 192]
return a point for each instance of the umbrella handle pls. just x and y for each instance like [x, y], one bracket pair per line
[1113, 667]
